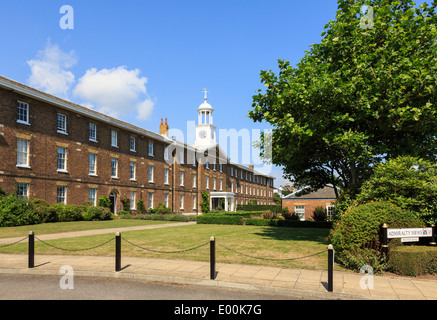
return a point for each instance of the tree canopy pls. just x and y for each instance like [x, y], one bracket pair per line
[361, 96]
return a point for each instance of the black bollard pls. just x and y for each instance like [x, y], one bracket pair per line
[212, 257]
[330, 268]
[31, 251]
[118, 251]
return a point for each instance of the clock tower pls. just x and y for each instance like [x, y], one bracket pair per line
[205, 130]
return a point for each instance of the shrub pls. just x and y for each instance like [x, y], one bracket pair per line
[41, 208]
[140, 206]
[319, 214]
[413, 260]
[69, 212]
[360, 228]
[97, 213]
[205, 202]
[104, 202]
[15, 211]
[219, 219]
[126, 204]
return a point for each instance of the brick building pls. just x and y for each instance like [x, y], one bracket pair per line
[59, 151]
[304, 204]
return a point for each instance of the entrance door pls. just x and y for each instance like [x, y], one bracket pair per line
[113, 199]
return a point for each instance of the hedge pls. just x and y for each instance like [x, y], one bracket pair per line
[219, 219]
[161, 217]
[413, 260]
[238, 220]
[259, 207]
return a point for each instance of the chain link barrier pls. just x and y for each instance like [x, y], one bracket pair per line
[271, 259]
[158, 251]
[10, 244]
[64, 249]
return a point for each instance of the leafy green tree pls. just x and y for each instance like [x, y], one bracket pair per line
[361, 96]
[408, 182]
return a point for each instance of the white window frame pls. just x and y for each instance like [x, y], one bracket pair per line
[150, 200]
[181, 178]
[166, 200]
[194, 202]
[166, 153]
[132, 170]
[132, 202]
[166, 176]
[23, 146]
[151, 173]
[330, 210]
[151, 149]
[300, 211]
[181, 157]
[61, 194]
[132, 144]
[61, 159]
[92, 132]
[207, 182]
[194, 180]
[114, 138]
[181, 202]
[61, 119]
[114, 169]
[23, 190]
[23, 106]
[92, 196]
[221, 185]
[92, 164]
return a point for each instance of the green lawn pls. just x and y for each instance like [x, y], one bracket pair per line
[261, 242]
[47, 228]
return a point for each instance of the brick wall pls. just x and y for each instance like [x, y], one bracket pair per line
[309, 204]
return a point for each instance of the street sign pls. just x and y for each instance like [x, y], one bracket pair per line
[409, 239]
[409, 233]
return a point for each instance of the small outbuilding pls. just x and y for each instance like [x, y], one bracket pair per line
[303, 203]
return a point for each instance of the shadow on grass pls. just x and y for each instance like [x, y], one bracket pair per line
[318, 235]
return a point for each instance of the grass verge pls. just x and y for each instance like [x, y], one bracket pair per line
[258, 241]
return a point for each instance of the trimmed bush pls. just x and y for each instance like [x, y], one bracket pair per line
[97, 213]
[413, 260]
[360, 229]
[219, 219]
[160, 217]
[15, 211]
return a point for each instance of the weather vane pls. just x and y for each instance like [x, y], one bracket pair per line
[204, 90]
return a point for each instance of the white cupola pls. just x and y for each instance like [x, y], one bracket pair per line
[205, 130]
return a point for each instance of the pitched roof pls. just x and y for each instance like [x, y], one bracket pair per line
[324, 193]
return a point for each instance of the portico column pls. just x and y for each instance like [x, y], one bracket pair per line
[226, 203]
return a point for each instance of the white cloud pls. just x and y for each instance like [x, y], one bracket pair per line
[115, 92]
[49, 71]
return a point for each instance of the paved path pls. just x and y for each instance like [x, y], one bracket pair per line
[295, 282]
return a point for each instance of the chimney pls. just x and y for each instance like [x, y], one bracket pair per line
[163, 128]
[251, 166]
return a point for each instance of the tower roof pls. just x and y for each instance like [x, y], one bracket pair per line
[205, 105]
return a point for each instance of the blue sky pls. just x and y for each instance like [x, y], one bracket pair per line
[141, 61]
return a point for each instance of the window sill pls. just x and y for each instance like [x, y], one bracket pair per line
[23, 122]
[92, 140]
[62, 171]
[23, 166]
[62, 132]
[93, 175]
[116, 178]
[133, 180]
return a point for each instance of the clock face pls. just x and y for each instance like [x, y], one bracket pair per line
[202, 134]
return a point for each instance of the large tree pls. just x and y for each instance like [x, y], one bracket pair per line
[366, 93]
